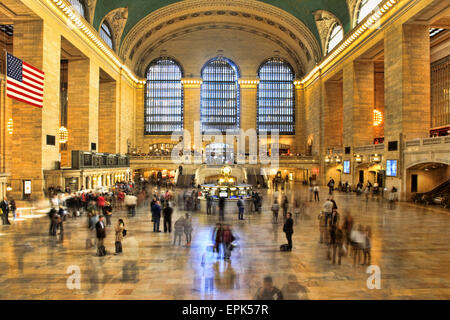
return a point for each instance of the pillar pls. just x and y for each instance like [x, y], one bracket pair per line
[249, 96]
[107, 129]
[358, 103]
[82, 108]
[192, 88]
[38, 44]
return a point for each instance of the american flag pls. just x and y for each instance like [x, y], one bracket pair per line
[24, 83]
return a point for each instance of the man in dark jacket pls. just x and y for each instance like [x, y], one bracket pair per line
[288, 229]
[268, 291]
[4, 205]
[167, 218]
[101, 231]
[156, 216]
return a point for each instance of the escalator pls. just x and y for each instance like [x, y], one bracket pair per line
[439, 195]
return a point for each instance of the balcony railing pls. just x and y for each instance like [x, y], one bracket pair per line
[427, 142]
[369, 148]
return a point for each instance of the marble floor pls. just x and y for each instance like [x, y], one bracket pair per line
[410, 244]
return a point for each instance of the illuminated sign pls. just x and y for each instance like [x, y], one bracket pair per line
[391, 168]
[347, 166]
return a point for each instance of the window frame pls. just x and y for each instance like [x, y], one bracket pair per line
[147, 96]
[237, 73]
[110, 35]
[258, 97]
[330, 37]
[85, 13]
[360, 6]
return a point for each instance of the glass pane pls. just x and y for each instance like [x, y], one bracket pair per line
[366, 7]
[78, 5]
[220, 96]
[276, 98]
[336, 36]
[105, 33]
[164, 98]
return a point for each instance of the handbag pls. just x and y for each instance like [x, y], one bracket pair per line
[124, 232]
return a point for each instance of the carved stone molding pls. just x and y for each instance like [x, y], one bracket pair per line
[352, 5]
[117, 19]
[325, 20]
[90, 4]
[254, 10]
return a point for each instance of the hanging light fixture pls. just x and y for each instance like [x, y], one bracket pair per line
[63, 135]
[377, 117]
[10, 126]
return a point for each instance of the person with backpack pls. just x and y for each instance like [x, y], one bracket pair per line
[275, 209]
[241, 208]
[227, 240]
[120, 233]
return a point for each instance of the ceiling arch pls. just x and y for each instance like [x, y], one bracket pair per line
[263, 19]
[300, 9]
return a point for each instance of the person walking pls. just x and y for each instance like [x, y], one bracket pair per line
[101, 235]
[107, 209]
[4, 205]
[322, 226]
[179, 229]
[227, 239]
[285, 206]
[208, 204]
[288, 229]
[156, 216]
[52, 230]
[12, 205]
[131, 203]
[327, 210]
[188, 229]
[167, 218]
[338, 245]
[221, 208]
[120, 227]
[316, 193]
[330, 186]
[367, 246]
[275, 209]
[241, 208]
[268, 291]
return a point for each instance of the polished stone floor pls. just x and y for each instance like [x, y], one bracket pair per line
[410, 244]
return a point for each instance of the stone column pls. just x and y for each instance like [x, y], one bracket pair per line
[192, 89]
[38, 44]
[333, 115]
[407, 90]
[299, 145]
[358, 103]
[82, 108]
[107, 133]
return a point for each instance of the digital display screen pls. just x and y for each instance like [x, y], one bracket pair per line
[346, 166]
[391, 168]
[223, 194]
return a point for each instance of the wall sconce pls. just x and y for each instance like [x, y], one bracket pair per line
[10, 126]
[376, 158]
[9, 189]
[358, 158]
[338, 159]
[327, 159]
[63, 135]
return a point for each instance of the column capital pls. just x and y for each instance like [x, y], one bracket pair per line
[298, 84]
[192, 83]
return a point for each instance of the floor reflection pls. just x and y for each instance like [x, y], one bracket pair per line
[409, 243]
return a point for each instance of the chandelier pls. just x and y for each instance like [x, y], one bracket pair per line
[63, 135]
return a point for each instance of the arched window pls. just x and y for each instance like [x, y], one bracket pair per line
[336, 36]
[365, 7]
[106, 34]
[164, 97]
[276, 97]
[220, 96]
[79, 7]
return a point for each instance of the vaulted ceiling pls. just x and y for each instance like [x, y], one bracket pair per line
[301, 9]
